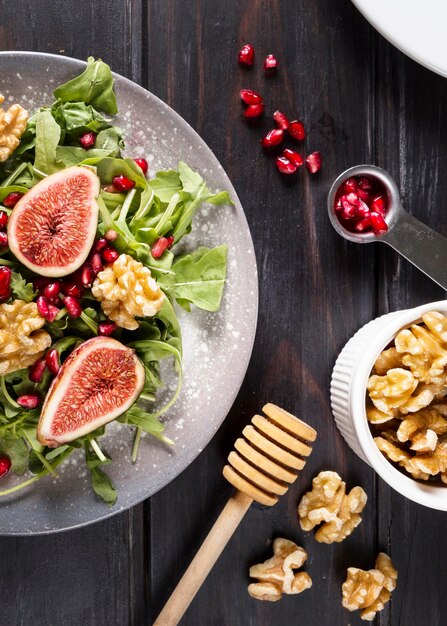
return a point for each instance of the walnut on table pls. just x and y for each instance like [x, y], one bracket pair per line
[22, 338]
[369, 590]
[276, 576]
[12, 126]
[328, 504]
[126, 290]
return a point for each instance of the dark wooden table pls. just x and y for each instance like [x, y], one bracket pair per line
[362, 101]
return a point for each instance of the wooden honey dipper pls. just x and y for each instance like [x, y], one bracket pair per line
[263, 466]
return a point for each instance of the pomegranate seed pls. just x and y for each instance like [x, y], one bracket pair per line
[364, 183]
[111, 235]
[87, 276]
[378, 223]
[52, 361]
[270, 63]
[37, 370]
[253, 111]
[106, 328]
[246, 55]
[281, 120]
[122, 183]
[29, 401]
[248, 96]
[350, 185]
[96, 262]
[159, 247]
[293, 156]
[349, 205]
[71, 289]
[46, 310]
[363, 195]
[5, 465]
[3, 219]
[378, 205]
[11, 199]
[170, 240]
[41, 282]
[363, 224]
[5, 283]
[313, 162]
[100, 244]
[110, 255]
[296, 130]
[52, 312]
[111, 189]
[273, 138]
[143, 165]
[285, 166]
[51, 292]
[3, 239]
[73, 306]
[87, 140]
[362, 209]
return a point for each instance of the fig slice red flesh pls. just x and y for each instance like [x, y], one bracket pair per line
[97, 383]
[53, 226]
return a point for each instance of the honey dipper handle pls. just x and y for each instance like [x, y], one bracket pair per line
[202, 563]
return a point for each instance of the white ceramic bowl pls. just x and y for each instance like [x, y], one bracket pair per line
[348, 389]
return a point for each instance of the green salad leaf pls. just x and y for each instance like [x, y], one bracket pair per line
[48, 133]
[21, 288]
[101, 483]
[94, 86]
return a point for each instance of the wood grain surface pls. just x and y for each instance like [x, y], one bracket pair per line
[361, 101]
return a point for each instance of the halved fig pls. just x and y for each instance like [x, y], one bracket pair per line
[52, 228]
[98, 382]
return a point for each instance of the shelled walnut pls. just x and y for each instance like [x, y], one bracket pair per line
[12, 126]
[276, 576]
[405, 403]
[328, 502]
[370, 590]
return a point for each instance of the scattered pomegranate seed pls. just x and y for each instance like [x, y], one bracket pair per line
[106, 328]
[100, 244]
[73, 306]
[51, 292]
[253, 111]
[110, 255]
[159, 247]
[248, 96]
[5, 465]
[36, 371]
[29, 401]
[378, 205]
[313, 162]
[96, 262]
[111, 189]
[246, 55]
[143, 165]
[293, 156]
[5, 282]
[52, 361]
[378, 223]
[122, 183]
[3, 219]
[3, 239]
[281, 120]
[296, 130]
[111, 235]
[270, 63]
[11, 199]
[273, 138]
[87, 276]
[170, 240]
[87, 140]
[285, 166]
[71, 289]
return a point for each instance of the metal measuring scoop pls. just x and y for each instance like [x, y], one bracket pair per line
[415, 241]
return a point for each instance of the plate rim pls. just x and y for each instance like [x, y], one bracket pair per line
[111, 512]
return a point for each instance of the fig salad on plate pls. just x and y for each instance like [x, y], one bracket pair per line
[89, 281]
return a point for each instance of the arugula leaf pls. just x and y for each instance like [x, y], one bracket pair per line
[73, 116]
[73, 155]
[20, 288]
[101, 483]
[166, 184]
[146, 421]
[94, 86]
[48, 134]
[200, 278]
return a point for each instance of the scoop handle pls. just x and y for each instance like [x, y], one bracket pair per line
[420, 245]
[203, 562]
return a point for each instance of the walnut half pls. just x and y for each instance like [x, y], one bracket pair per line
[369, 590]
[12, 126]
[276, 576]
[328, 502]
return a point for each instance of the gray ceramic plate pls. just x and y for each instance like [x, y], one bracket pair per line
[217, 346]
